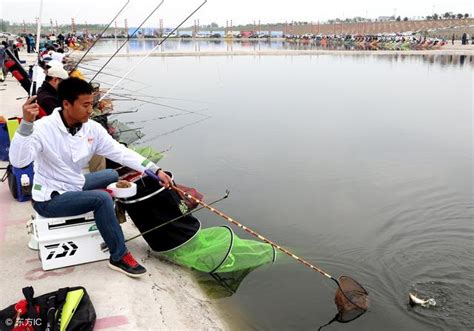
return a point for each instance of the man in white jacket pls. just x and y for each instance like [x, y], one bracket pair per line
[60, 145]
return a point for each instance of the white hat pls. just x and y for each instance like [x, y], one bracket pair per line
[56, 70]
[54, 63]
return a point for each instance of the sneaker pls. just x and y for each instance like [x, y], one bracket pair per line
[128, 265]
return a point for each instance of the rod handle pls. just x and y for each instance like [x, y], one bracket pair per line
[151, 174]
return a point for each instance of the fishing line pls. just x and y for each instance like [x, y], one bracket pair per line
[166, 98]
[128, 38]
[111, 75]
[351, 290]
[161, 104]
[100, 36]
[156, 118]
[154, 48]
[177, 129]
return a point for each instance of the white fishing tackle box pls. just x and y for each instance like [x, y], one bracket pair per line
[66, 241]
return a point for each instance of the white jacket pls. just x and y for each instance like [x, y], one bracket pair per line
[59, 156]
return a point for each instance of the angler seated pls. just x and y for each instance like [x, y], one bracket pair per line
[47, 96]
[60, 146]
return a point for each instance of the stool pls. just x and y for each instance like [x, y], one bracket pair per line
[66, 241]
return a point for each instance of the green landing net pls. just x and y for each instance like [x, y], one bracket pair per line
[219, 250]
[147, 152]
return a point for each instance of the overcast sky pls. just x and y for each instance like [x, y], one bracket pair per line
[239, 11]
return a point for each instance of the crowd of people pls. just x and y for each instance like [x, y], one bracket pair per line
[370, 42]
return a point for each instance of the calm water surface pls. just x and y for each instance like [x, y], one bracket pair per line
[361, 164]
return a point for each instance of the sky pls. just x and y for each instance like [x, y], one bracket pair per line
[220, 11]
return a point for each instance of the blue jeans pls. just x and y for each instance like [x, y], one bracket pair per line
[90, 199]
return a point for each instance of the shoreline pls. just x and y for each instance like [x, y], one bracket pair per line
[167, 297]
[446, 50]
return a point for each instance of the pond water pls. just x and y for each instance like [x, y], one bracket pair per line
[197, 45]
[363, 165]
[222, 45]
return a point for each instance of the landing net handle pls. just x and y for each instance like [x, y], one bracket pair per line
[356, 295]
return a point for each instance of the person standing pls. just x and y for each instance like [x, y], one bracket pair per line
[452, 40]
[3, 69]
[61, 40]
[28, 43]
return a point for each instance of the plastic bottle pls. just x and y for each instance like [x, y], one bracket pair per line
[25, 184]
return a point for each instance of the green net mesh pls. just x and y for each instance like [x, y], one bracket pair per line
[147, 152]
[219, 250]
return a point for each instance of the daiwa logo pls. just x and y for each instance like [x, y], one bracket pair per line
[69, 249]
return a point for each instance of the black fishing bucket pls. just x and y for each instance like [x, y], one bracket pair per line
[154, 205]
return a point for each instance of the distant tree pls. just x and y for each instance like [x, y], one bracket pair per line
[429, 17]
[466, 15]
[447, 15]
[4, 25]
[435, 16]
[460, 16]
[405, 19]
[399, 18]
[453, 16]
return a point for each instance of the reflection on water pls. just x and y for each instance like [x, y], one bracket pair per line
[218, 45]
[434, 59]
[360, 164]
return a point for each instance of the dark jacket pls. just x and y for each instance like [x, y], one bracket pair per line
[47, 98]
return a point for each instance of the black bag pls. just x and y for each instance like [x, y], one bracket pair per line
[45, 311]
[154, 205]
[8, 176]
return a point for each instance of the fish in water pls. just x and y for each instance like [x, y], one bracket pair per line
[415, 301]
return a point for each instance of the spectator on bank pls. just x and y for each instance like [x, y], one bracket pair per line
[3, 70]
[61, 40]
[454, 37]
[28, 43]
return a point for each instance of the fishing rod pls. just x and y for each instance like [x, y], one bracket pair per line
[156, 118]
[126, 41]
[38, 38]
[154, 48]
[156, 97]
[160, 104]
[100, 36]
[111, 75]
[119, 113]
[135, 130]
[177, 129]
[360, 296]
[127, 111]
[104, 247]
[143, 95]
